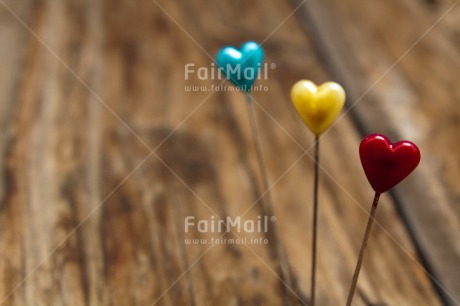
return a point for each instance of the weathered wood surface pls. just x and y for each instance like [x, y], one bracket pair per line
[412, 93]
[103, 153]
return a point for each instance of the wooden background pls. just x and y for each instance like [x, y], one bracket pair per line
[103, 152]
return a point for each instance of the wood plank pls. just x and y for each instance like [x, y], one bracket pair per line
[405, 87]
[90, 216]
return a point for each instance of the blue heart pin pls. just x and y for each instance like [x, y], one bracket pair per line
[241, 66]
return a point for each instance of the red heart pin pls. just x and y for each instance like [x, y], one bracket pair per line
[385, 163]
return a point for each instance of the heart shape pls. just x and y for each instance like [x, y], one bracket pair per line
[387, 164]
[242, 66]
[318, 106]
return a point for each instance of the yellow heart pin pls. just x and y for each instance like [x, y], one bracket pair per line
[318, 106]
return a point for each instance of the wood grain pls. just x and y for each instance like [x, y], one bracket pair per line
[415, 65]
[104, 153]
